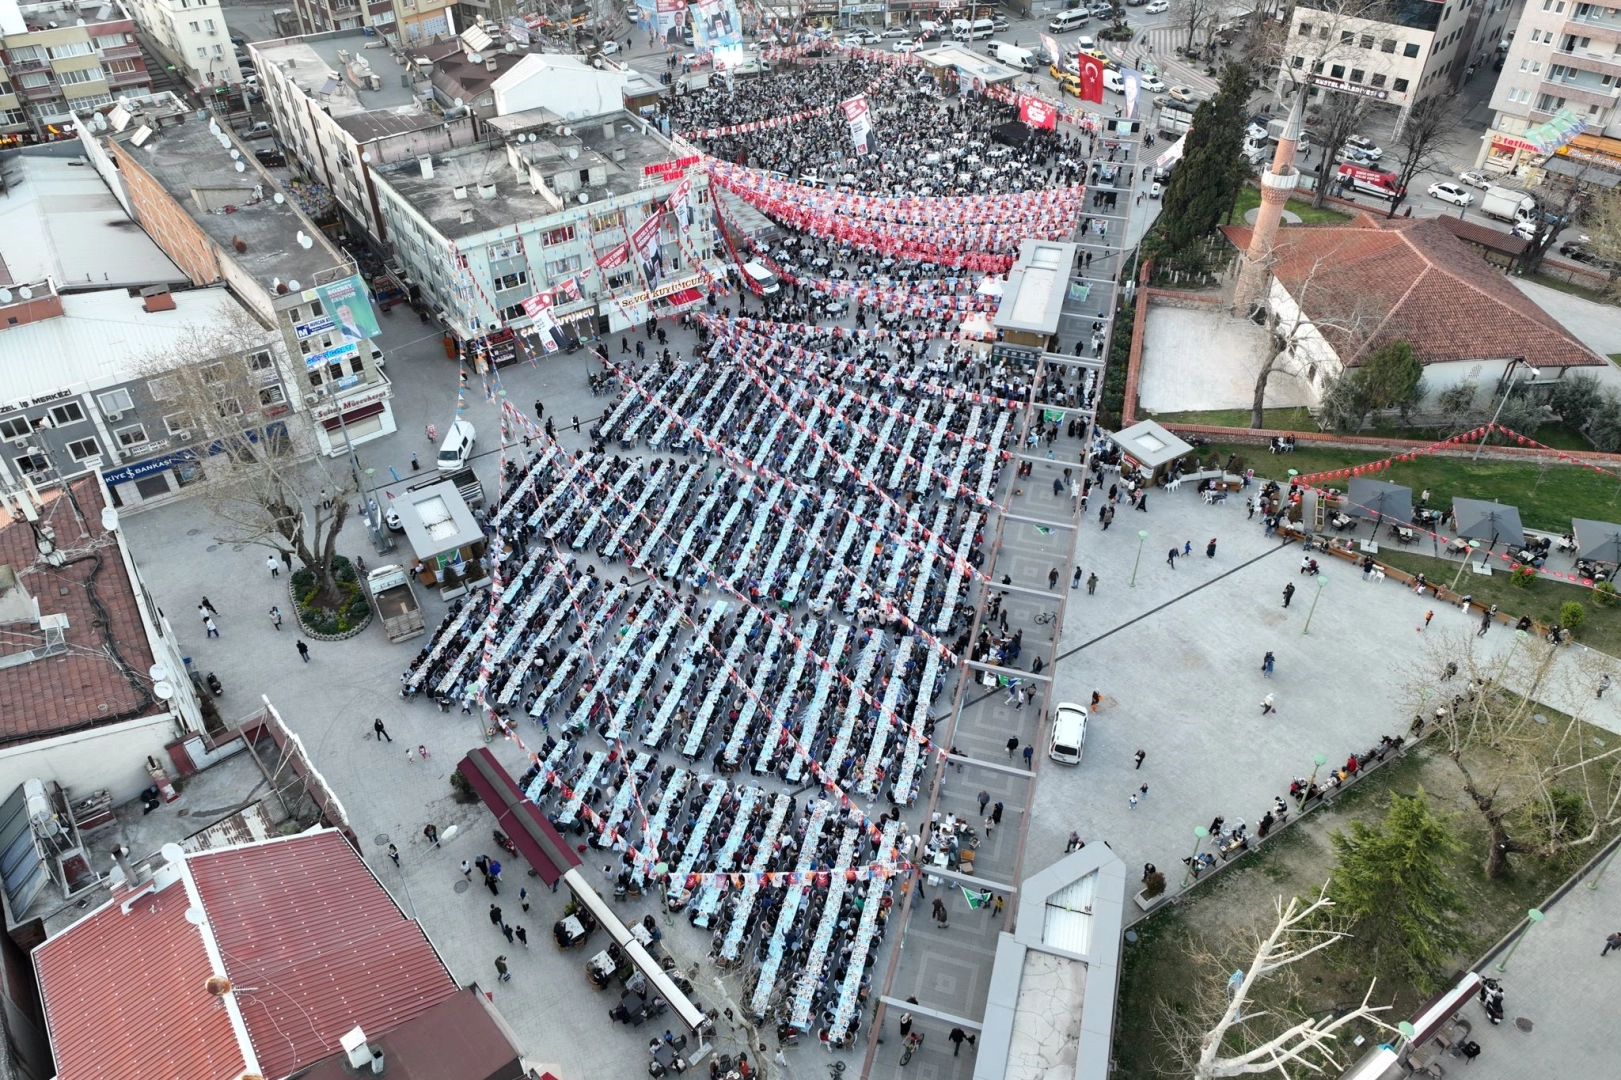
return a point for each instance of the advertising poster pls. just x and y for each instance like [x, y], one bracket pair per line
[1037, 113]
[719, 27]
[1054, 53]
[681, 204]
[646, 242]
[345, 307]
[670, 14]
[860, 118]
[616, 257]
[1091, 78]
[1133, 81]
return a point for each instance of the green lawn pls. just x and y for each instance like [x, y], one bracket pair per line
[1250, 197]
[1548, 494]
[1564, 286]
[1296, 419]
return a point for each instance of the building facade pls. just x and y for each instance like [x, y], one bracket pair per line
[1393, 53]
[552, 211]
[209, 205]
[60, 58]
[1565, 55]
[192, 36]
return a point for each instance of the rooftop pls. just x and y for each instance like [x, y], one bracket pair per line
[98, 680]
[1412, 279]
[1038, 284]
[105, 338]
[18, 18]
[461, 1037]
[230, 198]
[309, 941]
[966, 60]
[346, 71]
[437, 520]
[58, 220]
[495, 195]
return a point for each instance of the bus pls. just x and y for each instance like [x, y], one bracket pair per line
[1386, 185]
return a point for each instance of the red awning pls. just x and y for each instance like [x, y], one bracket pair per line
[682, 298]
[353, 416]
[536, 839]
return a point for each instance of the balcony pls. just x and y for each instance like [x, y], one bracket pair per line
[138, 77]
[1603, 35]
[49, 92]
[1578, 93]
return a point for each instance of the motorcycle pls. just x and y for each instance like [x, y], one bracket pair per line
[214, 686]
[505, 843]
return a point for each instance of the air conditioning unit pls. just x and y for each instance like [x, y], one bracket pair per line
[20, 441]
[183, 436]
[311, 399]
[114, 417]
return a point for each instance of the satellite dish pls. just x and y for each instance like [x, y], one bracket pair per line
[280, 198]
[5, 296]
[585, 197]
[25, 292]
[292, 284]
[173, 853]
[214, 126]
[163, 691]
[235, 154]
[241, 167]
[109, 519]
[158, 672]
[458, 103]
[365, 156]
[99, 122]
[573, 152]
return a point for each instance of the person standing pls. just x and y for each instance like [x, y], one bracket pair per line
[1012, 745]
[1210, 549]
[303, 650]
[1091, 583]
[523, 897]
[275, 616]
[1132, 802]
[996, 814]
[1288, 593]
[273, 566]
[1612, 942]
[467, 870]
[906, 1018]
[1428, 615]
[382, 732]
[501, 968]
[1075, 582]
[958, 1036]
[1603, 685]
[1052, 578]
[1138, 758]
[415, 464]
[394, 853]
[523, 936]
[984, 801]
[941, 918]
[1267, 663]
[1074, 842]
[1029, 757]
[431, 831]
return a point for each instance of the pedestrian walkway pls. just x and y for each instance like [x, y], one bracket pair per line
[1157, 48]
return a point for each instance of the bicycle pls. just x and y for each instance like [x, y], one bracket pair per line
[836, 1069]
[1046, 617]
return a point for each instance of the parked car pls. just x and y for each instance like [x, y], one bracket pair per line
[1152, 85]
[894, 32]
[1475, 178]
[1155, 7]
[906, 45]
[610, 47]
[859, 36]
[458, 445]
[1183, 94]
[999, 23]
[1451, 193]
[1068, 733]
[1366, 145]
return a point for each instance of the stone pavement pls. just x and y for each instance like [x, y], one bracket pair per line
[1204, 358]
[1557, 992]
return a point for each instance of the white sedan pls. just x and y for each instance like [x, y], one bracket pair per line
[1157, 6]
[610, 47]
[1451, 193]
[1475, 179]
[1152, 85]
[906, 45]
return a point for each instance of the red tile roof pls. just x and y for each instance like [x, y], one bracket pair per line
[460, 1037]
[312, 943]
[85, 687]
[1374, 280]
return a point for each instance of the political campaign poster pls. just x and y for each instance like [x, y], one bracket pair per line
[1054, 53]
[345, 307]
[646, 242]
[545, 328]
[1091, 78]
[719, 27]
[670, 15]
[616, 257]
[568, 289]
[1037, 112]
[537, 305]
[681, 204]
[1134, 82]
[860, 118]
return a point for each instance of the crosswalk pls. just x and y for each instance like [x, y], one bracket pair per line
[1156, 47]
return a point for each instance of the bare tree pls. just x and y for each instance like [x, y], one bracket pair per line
[1418, 145]
[1602, 225]
[1194, 16]
[224, 384]
[1227, 1033]
[1542, 785]
[1335, 124]
[1559, 199]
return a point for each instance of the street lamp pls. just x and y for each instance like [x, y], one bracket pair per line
[1142, 538]
[1199, 833]
[1467, 556]
[1321, 581]
[1317, 762]
[1532, 917]
[1508, 388]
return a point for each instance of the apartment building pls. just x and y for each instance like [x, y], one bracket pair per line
[551, 210]
[60, 58]
[222, 218]
[192, 36]
[1565, 55]
[325, 16]
[1389, 51]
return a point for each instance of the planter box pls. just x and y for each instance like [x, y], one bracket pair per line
[1148, 905]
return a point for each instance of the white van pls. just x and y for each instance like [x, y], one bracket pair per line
[764, 280]
[1112, 81]
[458, 445]
[963, 30]
[1012, 55]
[1069, 733]
[1065, 21]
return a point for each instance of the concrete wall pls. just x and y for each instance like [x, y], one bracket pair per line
[112, 757]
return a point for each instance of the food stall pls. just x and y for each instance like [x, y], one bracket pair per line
[447, 540]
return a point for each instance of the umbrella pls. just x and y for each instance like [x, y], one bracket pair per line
[1597, 540]
[1377, 500]
[1480, 520]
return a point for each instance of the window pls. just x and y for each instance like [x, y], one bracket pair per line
[1366, 41]
[315, 376]
[1300, 61]
[83, 448]
[357, 366]
[12, 117]
[195, 28]
[72, 48]
[111, 41]
[1410, 49]
[1525, 64]
[566, 233]
[511, 281]
[1322, 33]
[26, 52]
[1388, 45]
[131, 436]
[510, 249]
[1378, 81]
[604, 222]
[1346, 37]
[1572, 43]
[69, 412]
[219, 50]
[1549, 103]
[558, 268]
[162, 389]
[1305, 29]
[32, 463]
[1557, 72]
[213, 373]
[69, 78]
[35, 79]
[261, 360]
[228, 407]
[271, 396]
[116, 401]
[1357, 75]
[177, 423]
[202, 52]
[209, 23]
[1338, 71]
[1536, 66]
[16, 427]
[120, 67]
[1400, 86]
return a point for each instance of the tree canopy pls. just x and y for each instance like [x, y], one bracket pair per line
[1212, 169]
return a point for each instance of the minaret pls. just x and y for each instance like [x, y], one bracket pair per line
[1277, 184]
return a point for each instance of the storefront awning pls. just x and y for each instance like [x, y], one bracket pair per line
[682, 298]
[516, 816]
[353, 416]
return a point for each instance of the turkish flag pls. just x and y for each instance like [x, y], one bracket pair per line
[1091, 78]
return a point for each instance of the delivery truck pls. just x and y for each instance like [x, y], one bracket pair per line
[1507, 204]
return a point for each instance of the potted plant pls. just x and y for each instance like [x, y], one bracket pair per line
[1153, 892]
